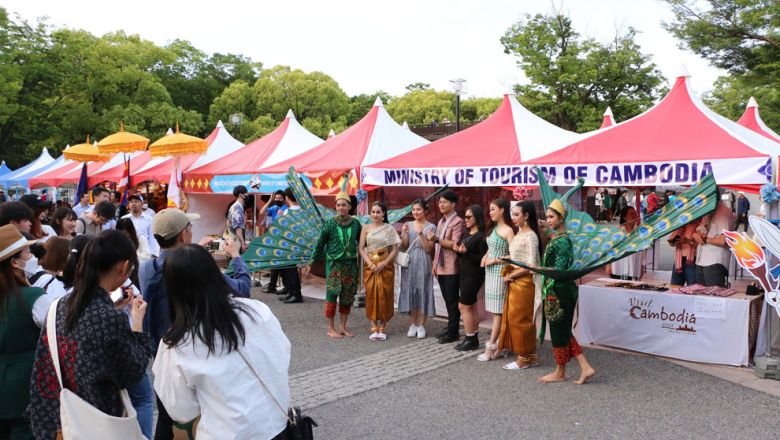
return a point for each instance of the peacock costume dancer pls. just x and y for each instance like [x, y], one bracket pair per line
[579, 246]
[338, 245]
[313, 233]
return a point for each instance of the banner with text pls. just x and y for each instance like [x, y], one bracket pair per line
[742, 171]
[256, 183]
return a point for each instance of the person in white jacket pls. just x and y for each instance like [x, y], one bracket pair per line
[225, 359]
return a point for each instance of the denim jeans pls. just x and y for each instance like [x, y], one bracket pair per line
[142, 396]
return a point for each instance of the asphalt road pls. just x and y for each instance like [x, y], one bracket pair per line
[630, 397]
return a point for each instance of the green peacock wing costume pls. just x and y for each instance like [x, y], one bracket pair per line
[291, 238]
[595, 245]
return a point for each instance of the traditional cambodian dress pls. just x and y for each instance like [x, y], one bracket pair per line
[559, 300]
[338, 244]
[518, 330]
[495, 287]
[417, 278]
[380, 286]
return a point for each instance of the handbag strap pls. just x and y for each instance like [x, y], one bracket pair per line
[267, 390]
[51, 335]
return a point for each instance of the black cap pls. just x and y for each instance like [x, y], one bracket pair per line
[34, 201]
[135, 197]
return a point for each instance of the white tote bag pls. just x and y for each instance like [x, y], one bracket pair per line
[80, 420]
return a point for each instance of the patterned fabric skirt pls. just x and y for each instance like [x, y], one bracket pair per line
[341, 283]
[518, 331]
[379, 289]
[495, 289]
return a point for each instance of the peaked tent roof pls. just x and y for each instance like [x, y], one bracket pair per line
[67, 173]
[113, 171]
[609, 119]
[287, 140]
[374, 138]
[674, 142]
[510, 136]
[4, 169]
[752, 120]
[679, 127]
[41, 178]
[160, 168]
[19, 177]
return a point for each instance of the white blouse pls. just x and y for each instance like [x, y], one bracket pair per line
[221, 388]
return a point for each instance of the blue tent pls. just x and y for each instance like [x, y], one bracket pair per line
[4, 169]
[19, 177]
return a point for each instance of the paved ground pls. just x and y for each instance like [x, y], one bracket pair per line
[411, 389]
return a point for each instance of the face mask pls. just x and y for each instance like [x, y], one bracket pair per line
[278, 203]
[31, 267]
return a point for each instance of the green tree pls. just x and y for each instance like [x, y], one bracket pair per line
[418, 86]
[742, 37]
[423, 107]
[573, 79]
[477, 109]
[194, 79]
[361, 104]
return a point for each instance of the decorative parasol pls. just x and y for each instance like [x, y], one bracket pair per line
[178, 144]
[85, 152]
[122, 142]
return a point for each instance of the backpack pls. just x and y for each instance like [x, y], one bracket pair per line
[37, 276]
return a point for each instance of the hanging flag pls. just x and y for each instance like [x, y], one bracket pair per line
[82, 188]
[176, 197]
[124, 182]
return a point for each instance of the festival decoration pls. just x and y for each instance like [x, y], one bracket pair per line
[751, 257]
[769, 194]
[122, 142]
[85, 152]
[520, 193]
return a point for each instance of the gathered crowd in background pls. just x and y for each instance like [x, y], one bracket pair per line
[138, 307]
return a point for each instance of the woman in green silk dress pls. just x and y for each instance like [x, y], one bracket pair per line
[559, 298]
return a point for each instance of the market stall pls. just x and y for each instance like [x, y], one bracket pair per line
[19, 178]
[698, 326]
[487, 154]
[675, 142]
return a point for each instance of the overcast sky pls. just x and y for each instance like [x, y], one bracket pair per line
[369, 45]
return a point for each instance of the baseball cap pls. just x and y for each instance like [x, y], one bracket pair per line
[135, 197]
[34, 201]
[168, 223]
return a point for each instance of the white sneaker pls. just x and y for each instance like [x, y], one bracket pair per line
[374, 336]
[421, 332]
[412, 331]
[381, 337]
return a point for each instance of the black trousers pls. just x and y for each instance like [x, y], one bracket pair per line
[291, 280]
[450, 290]
[274, 278]
[742, 219]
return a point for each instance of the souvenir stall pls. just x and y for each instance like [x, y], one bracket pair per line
[209, 185]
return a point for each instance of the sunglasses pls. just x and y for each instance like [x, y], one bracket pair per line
[468, 216]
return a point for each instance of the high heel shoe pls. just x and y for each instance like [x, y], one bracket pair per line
[491, 352]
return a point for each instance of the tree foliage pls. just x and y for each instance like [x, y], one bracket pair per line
[574, 79]
[742, 37]
[423, 106]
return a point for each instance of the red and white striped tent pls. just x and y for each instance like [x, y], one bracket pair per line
[490, 153]
[374, 138]
[752, 120]
[241, 167]
[675, 142]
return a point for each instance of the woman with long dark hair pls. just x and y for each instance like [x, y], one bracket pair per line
[378, 247]
[101, 352]
[471, 274]
[559, 299]
[77, 245]
[416, 295]
[22, 310]
[518, 330]
[63, 221]
[212, 351]
[501, 233]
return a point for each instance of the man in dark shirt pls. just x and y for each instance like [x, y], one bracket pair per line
[743, 208]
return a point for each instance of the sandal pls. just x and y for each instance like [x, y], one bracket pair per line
[375, 333]
[381, 336]
[490, 353]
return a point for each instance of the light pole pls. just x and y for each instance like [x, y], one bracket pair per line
[235, 120]
[459, 89]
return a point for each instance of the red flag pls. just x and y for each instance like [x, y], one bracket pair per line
[124, 182]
